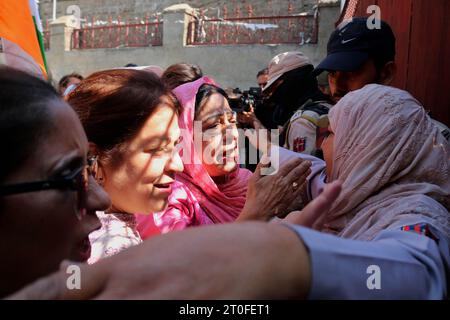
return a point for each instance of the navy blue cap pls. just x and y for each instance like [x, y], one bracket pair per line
[353, 42]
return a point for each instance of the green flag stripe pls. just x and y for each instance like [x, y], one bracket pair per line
[41, 44]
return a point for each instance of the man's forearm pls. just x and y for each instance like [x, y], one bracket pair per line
[250, 260]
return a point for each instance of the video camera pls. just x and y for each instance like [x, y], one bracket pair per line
[241, 101]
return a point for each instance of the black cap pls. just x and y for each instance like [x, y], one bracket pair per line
[353, 42]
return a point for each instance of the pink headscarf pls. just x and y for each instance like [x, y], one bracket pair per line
[393, 161]
[196, 199]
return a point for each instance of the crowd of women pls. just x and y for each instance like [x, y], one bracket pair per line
[115, 170]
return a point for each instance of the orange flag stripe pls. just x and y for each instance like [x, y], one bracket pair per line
[16, 25]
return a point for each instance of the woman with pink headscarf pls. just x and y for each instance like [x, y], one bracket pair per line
[212, 188]
[391, 221]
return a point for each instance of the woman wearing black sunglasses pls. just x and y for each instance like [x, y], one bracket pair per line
[47, 199]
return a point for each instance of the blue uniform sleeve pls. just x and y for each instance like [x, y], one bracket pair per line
[395, 265]
[316, 180]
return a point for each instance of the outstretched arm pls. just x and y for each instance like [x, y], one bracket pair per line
[230, 261]
[249, 260]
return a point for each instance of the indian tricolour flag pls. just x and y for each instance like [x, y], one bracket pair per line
[22, 36]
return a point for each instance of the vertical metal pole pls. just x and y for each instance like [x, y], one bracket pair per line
[54, 10]
[218, 25]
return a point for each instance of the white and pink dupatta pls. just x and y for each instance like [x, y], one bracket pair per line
[393, 161]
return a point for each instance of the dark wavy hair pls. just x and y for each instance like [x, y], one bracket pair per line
[24, 116]
[181, 73]
[203, 94]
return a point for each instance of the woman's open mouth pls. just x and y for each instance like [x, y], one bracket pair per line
[227, 155]
[164, 187]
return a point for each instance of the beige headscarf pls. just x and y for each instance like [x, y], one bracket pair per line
[393, 161]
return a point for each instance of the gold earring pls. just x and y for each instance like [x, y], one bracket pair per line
[96, 170]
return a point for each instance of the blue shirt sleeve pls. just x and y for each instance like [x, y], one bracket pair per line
[316, 180]
[395, 265]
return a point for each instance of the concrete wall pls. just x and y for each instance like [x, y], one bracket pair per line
[138, 8]
[230, 66]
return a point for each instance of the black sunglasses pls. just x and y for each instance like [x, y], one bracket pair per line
[77, 181]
